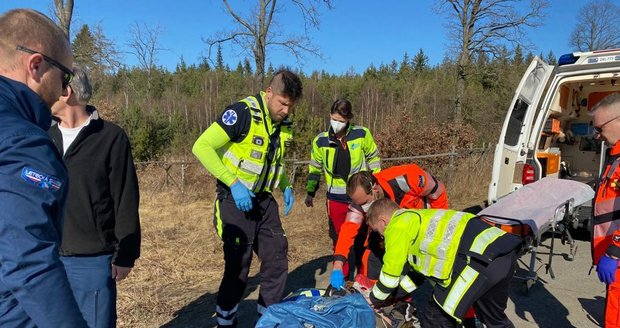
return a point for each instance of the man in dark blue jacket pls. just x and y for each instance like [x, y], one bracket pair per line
[34, 290]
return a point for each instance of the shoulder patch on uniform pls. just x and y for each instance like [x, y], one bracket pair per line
[616, 238]
[40, 179]
[421, 182]
[229, 117]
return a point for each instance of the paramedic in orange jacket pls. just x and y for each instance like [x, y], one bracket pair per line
[408, 185]
[606, 220]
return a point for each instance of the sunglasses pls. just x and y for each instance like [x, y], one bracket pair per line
[67, 73]
[599, 129]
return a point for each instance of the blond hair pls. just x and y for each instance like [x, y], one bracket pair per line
[31, 29]
[383, 206]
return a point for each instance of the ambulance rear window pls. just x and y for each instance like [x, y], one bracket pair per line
[515, 123]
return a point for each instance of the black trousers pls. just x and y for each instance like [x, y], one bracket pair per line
[243, 233]
[488, 294]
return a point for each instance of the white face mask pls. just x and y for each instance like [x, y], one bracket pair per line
[366, 206]
[337, 126]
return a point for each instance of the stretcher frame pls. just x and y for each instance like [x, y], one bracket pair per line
[545, 206]
[558, 225]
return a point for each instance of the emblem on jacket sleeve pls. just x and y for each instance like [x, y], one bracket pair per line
[40, 179]
[229, 117]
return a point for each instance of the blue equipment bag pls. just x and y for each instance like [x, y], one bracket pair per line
[319, 311]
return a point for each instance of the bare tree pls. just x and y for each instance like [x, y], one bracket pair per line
[64, 11]
[598, 27]
[482, 27]
[258, 29]
[145, 46]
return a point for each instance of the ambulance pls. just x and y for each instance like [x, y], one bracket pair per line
[548, 129]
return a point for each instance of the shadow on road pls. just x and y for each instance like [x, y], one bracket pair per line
[201, 311]
[594, 308]
[304, 276]
[545, 309]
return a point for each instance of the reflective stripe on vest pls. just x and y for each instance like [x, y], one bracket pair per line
[437, 247]
[247, 158]
[606, 204]
[434, 252]
[402, 183]
[355, 138]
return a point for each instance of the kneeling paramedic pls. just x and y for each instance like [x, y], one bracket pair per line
[408, 185]
[244, 149]
[468, 262]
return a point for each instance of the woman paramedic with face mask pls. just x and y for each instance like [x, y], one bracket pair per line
[341, 151]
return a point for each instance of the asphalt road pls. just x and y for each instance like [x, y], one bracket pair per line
[572, 299]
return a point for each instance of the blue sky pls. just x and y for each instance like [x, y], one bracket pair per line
[353, 35]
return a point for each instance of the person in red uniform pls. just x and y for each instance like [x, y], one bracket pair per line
[408, 185]
[606, 218]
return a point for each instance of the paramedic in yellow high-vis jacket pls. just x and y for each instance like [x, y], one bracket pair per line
[338, 153]
[244, 149]
[468, 262]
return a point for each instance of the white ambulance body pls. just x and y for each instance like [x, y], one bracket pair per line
[548, 128]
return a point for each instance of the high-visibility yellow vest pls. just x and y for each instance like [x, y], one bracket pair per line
[430, 239]
[363, 153]
[249, 158]
[434, 250]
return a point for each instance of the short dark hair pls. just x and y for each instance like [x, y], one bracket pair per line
[343, 108]
[363, 179]
[286, 83]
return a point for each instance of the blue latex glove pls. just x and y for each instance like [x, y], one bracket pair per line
[337, 279]
[288, 200]
[606, 269]
[242, 196]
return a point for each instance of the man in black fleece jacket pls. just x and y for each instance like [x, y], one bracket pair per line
[101, 234]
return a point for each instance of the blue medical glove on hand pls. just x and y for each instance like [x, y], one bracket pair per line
[242, 196]
[337, 279]
[288, 200]
[606, 269]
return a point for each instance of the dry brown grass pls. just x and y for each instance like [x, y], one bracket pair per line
[182, 263]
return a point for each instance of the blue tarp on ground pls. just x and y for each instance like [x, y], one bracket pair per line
[336, 311]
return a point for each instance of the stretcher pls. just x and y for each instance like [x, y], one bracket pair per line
[545, 206]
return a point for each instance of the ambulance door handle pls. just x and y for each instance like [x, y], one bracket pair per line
[522, 152]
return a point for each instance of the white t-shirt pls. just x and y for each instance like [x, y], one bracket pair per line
[69, 134]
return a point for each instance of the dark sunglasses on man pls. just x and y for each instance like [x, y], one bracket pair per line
[67, 73]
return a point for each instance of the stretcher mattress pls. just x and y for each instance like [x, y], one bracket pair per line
[535, 204]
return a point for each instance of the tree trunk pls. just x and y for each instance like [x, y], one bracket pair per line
[64, 11]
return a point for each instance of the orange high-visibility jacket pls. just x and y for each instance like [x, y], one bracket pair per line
[408, 185]
[606, 218]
